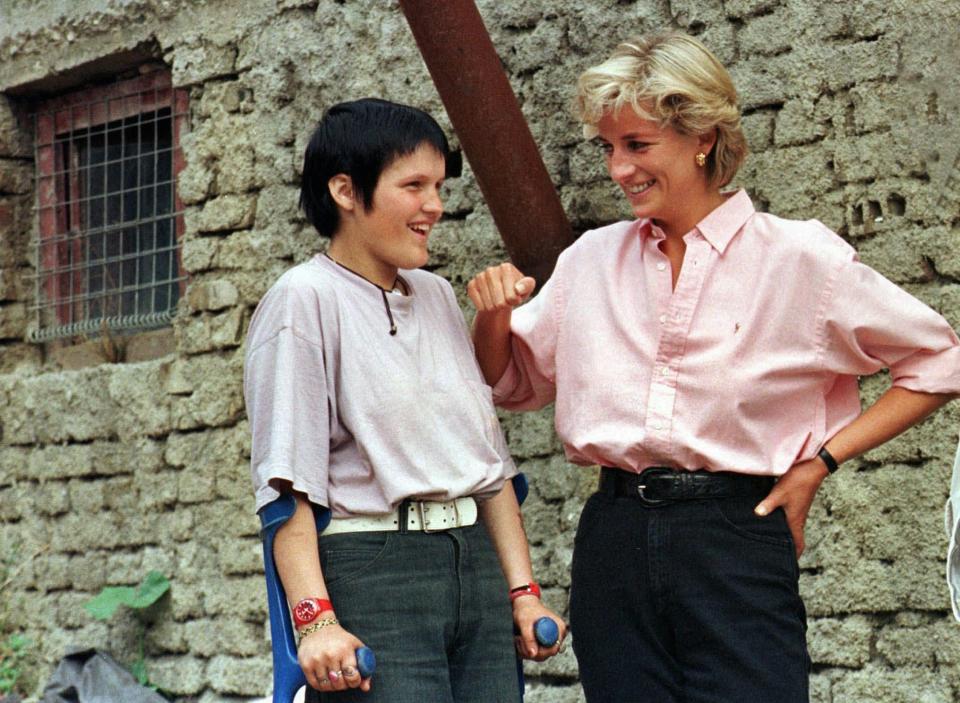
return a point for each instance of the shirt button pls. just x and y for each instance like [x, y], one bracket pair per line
[661, 266]
[663, 318]
[655, 425]
[664, 370]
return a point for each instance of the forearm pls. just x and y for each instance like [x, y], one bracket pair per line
[895, 411]
[501, 514]
[327, 655]
[491, 341]
[295, 551]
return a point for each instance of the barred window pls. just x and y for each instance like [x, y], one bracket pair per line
[109, 219]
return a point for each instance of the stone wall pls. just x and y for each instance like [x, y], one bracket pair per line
[108, 470]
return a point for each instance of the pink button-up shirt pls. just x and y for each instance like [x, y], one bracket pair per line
[749, 365]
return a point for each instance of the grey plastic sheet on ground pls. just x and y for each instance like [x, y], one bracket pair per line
[89, 676]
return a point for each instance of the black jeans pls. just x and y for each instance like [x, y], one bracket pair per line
[692, 602]
[434, 609]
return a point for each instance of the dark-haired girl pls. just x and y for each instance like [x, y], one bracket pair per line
[364, 398]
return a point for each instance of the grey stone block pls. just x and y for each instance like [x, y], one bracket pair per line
[181, 676]
[240, 556]
[242, 598]
[212, 295]
[202, 62]
[840, 642]
[873, 684]
[228, 212]
[248, 677]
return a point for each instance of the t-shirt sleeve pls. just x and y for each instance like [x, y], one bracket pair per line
[529, 381]
[287, 406]
[871, 323]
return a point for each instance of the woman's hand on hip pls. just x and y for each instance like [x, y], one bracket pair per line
[526, 611]
[794, 492]
[327, 657]
[499, 288]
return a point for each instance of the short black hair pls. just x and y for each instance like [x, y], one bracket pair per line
[361, 138]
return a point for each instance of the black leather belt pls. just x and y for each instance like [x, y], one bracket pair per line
[660, 485]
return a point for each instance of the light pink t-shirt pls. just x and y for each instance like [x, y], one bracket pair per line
[750, 365]
[355, 418]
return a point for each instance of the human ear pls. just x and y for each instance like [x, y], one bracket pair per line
[341, 190]
[707, 141]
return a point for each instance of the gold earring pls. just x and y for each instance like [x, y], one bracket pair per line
[701, 159]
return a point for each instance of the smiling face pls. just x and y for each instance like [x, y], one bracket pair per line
[393, 233]
[657, 170]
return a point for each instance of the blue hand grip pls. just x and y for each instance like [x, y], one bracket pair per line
[366, 662]
[546, 632]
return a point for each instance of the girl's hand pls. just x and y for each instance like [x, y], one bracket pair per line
[526, 611]
[327, 657]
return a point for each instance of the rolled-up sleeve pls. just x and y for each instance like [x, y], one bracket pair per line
[529, 382]
[286, 395]
[871, 323]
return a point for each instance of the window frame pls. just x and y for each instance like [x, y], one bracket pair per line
[61, 305]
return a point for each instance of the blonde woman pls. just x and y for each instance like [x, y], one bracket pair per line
[706, 355]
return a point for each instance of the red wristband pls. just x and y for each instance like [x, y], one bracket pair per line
[309, 609]
[527, 589]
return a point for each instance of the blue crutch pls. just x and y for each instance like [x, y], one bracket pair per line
[288, 677]
[544, 629]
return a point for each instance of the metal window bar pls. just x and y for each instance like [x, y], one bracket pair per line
[107, 247]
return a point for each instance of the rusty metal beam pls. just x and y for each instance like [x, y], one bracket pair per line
[492, 130]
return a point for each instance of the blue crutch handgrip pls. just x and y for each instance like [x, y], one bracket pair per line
[288, 677]
[546, 631]
[366, 662]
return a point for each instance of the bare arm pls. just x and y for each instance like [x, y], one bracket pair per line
[495, 292]
[330, 648]
[491, 341]
[895, 411]
[501, 514]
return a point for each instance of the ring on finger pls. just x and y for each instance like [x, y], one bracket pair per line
[324, 682]
[334, 676]
[349, 671]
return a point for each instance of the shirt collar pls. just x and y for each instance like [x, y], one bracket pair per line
[720, 226]
[723, 223]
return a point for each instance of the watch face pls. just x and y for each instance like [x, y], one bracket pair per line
[306, 611]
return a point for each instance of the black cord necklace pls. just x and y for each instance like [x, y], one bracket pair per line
[383, 291]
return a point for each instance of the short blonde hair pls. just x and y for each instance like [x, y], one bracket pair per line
[672, 79]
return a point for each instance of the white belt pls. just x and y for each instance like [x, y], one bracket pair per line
[422, 515]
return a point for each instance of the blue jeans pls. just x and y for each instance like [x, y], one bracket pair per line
[433, 608]
[692, 602]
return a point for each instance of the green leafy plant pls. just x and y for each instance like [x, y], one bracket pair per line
[106, 603]
[150, 590]
[13, 652]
